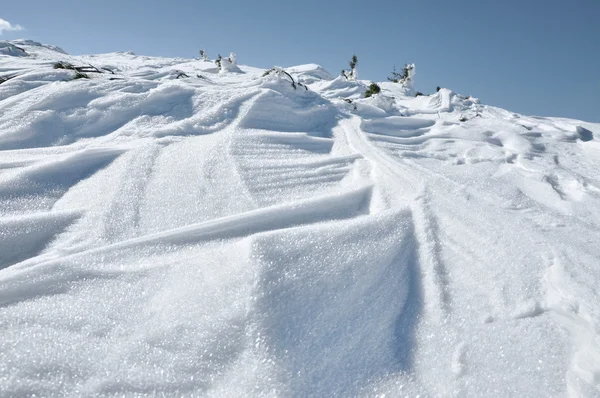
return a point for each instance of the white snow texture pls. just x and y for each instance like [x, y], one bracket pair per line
[172, 229]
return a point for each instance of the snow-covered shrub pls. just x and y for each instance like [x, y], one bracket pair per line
[395, 77]
[279, 73]
[180, 74]
[81, 72]
[405, 77]
[229, 64]
[352, 74]
[373, 89]
[80, 75]
[63, 65]
[203, 55]
[408, 73]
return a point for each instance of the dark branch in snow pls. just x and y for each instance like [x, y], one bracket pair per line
[4, 79]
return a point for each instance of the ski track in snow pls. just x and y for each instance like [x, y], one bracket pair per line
[228, 235]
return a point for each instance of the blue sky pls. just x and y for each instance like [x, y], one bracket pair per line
[539, 57]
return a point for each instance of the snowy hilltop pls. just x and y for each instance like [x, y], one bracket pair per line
[186, 227]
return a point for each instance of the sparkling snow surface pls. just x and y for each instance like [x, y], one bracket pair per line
[227, 235]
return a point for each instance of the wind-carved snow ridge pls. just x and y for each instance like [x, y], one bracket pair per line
[168, 228]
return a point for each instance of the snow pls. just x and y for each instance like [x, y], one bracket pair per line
[227, 234]
[309, 73]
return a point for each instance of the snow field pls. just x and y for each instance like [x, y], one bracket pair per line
[226, 234]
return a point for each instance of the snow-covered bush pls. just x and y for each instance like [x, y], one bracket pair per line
[229, 64]
[63, 65]
[80, 75]
[373, 89]
[408, 73]
[279, 73]
[395, 77]
[405, 77]
[203, 55]
[179, 74]
[352, 74]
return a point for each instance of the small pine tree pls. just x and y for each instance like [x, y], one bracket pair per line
[407, 73]
[352, 75]
[395, 78]
[438, 89]
[373, 89]
[353, 62]
[218, 60]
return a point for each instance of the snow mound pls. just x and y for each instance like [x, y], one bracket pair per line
[396, 125]
[30, 48]
[309, 73]
[340, 87]
[7, 48]
[33, 44]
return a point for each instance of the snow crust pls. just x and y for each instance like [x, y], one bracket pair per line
[231, 235]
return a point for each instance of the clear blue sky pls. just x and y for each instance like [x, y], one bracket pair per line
[538, 57]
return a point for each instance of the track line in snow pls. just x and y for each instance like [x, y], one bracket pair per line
[397, 185]
[436, 283]
[122, 218]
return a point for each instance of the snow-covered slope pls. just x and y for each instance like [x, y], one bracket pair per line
[227, 234]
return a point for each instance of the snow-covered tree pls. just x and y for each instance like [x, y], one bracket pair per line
[352, 74]
[395, 77]
[279, 73]
[408, 73]
[203, 55]
[232, 59]
[229, 64]
[405, 77]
